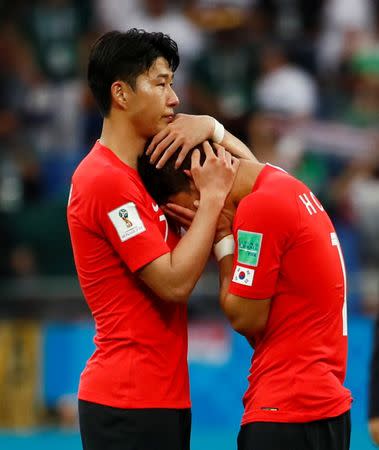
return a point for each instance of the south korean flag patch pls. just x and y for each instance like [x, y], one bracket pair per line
[243, 276]
[126, 221]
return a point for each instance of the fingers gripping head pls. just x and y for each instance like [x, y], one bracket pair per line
[164, 183]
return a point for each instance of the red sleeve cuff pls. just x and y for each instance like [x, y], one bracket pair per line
[246, 292]
[143, 260]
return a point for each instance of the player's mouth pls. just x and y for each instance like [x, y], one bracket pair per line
[169, 118]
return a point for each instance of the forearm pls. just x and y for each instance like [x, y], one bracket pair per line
[190, 256]
[231, 143]
[238, 310]
[236, 147]
[187, 132]
[225, 275]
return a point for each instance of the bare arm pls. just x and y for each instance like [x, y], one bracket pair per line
[246, 316]
[187, 131]
[236, 147]
[373, 425]
[173, 276]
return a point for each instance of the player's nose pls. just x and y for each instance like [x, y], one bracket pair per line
[173, 99]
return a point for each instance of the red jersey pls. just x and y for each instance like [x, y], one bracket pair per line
[288, 251]
[116, 228]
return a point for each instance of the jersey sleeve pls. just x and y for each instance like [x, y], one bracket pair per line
[128, 222]
[263, 227]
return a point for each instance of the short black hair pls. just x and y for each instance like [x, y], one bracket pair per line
[124, 56]
[167, 181]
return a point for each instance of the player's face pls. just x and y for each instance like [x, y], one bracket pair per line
[153, 100]
[186, 199]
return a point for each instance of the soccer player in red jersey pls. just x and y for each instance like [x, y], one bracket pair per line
[283, 286]
[135, 273]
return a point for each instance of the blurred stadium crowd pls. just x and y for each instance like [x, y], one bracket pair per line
[296, 79]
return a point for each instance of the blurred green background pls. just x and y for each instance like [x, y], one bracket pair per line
[296, 80]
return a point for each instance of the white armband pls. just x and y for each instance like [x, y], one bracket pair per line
[218, 132]
[224, 247]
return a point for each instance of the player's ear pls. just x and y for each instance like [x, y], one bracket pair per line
[119, 92]
[188, 173]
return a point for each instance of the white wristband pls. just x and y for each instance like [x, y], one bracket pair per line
[224, 247]
[218, 132]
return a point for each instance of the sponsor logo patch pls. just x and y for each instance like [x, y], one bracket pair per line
[127, 221]
[249, 247]
[244, 276]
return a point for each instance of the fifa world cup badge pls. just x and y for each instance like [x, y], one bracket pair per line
[126, 221]
[123, 213]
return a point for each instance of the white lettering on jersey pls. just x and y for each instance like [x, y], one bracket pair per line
[336, 243]
[308, 204]
[126, 221]
[312, 203]
[316, 202]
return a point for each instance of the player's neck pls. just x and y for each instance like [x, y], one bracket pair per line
[247, 174]
[123, 140]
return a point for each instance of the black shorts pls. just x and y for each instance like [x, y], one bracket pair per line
[326, 434]
[106, 428]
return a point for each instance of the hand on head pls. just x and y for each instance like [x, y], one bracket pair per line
[185, 132]
[212, 178]
[215, 177]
